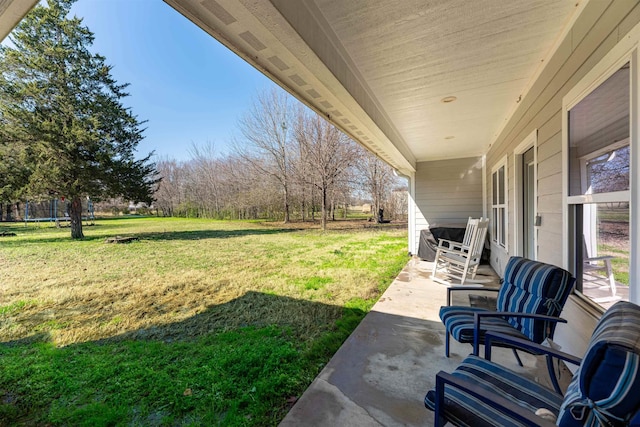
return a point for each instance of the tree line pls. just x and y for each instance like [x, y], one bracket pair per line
[65, 134]
[289, 164]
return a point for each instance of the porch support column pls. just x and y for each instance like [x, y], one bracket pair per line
[411, 211]
[634, 184]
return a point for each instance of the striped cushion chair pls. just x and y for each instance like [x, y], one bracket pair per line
[529, 304]
[605, 391]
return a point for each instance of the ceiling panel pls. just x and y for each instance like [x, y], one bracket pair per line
[379, 70]
[411, 54]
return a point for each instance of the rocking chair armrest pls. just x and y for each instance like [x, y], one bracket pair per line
[485, 396]
[448, 242]
[526, 345]
[467, 288]
[479, 315]
[450, 245]
[599, 258]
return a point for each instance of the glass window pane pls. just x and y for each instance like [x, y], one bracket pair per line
[605, 252]
[599, 138]
[608, 172]
[495, 188]
[494, 225]
[503, 221]
[501, 186]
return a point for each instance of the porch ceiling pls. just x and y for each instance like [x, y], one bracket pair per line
[380, 70]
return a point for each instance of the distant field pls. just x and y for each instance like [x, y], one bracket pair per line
[198, 323]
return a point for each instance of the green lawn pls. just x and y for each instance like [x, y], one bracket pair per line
[197, 323]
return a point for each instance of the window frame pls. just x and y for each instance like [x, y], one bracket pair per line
[500, 238]
[530, 142]
[626, 51]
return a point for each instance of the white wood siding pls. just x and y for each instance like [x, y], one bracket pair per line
[601, 25]
[447, 192]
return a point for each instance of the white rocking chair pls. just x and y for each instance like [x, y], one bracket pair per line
[459, 260]
[591, 278]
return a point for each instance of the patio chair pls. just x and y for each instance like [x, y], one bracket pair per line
[591, 266]
[528, 305]
[603, 391]
[460, 260]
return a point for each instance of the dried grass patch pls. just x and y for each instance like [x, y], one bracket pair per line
[186, 278]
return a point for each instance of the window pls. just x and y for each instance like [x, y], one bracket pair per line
[499, 205]
[598, 153]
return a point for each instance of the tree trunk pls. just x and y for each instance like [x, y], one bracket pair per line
[286, 205]
[303, 204]
[324, 209]
[75, 214]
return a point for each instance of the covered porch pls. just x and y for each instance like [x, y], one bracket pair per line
[516, 113]
[473, 102]
[382, 372]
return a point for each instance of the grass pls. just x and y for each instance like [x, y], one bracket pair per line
[619, 264]
[197, 323]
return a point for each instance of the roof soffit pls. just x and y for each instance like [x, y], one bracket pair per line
[379, 70]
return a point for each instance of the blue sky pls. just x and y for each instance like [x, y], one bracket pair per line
[189, 87]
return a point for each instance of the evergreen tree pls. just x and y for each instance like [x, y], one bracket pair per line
[61, 113]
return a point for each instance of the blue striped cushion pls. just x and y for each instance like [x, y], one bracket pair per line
[607, 384]
[459, 322]
[533, 287]
[465, 410]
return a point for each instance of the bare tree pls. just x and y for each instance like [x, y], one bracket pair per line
[290, 157]
[328, 154]
[205, 167]
[377, 179]
[246, 196]
[169, 195]
[268, 148]
[610, 171]
[399, 203]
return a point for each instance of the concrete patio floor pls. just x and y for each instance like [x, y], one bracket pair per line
[380, 375]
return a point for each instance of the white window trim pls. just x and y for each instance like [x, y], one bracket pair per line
[494, 239]
[614, 196]
[531, 141]
[625, 51]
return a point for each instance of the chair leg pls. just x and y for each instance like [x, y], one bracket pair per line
[435, 263]
[473, 271]
[612, 280]
[552, 374]
[439, 419]
[515, 353]
[446, 344]
[476, 344]
[464, 273]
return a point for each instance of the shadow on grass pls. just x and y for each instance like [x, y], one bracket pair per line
[210, 234]
[304, 319]
[237, 363]
[155, 236]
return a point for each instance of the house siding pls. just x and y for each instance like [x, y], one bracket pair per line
[601, 25]
[448, 192]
